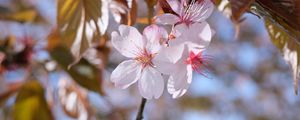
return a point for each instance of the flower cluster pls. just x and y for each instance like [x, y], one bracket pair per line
[157, 53]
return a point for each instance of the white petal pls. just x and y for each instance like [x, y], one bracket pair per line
[167, 57]
[207, 9]
[129, 42]
[176, 93]
[175, 5]
[126, 73]
[151, 83]
[197, 35]
[154, 35]
[166, 19]
[179, 82]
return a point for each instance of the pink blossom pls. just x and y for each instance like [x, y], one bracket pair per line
[183, 55]
[197, 36]
[180, 67]
[141, 49]
[187, 13]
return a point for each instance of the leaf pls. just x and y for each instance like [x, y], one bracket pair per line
[30, 103]
[217, 2]
[238, 8]
[84, 73]
[133, 13]
[22, 16]
[150, 6]
[12, 88]
[288, 10]
[289, 47]
[73, 100]
[197, 103]
[166, 7]
[130, 15]
[78, 21]
[20, 11]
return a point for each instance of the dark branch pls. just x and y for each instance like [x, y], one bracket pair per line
[141, 109]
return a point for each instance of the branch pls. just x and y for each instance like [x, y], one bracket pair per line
[141, 109]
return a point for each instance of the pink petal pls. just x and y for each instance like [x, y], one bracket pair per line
[207, 7]
[179, 82]
[126, 73]
[167, 57]
[166, 19]
[154, 35]
[151, 83]
[197, 35]
[129, 42]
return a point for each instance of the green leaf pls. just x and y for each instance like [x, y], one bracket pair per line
[196, 103]
[78, 22]
[30, 103]
[21, 11]
[84, 73]
[289, 47]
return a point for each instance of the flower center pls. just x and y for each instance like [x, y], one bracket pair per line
[145, 58]
[197, 62]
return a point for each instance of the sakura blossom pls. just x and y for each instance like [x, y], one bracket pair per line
[183, 56]
[197, 36]
[156, 52]
[140, 68]
[186, 12]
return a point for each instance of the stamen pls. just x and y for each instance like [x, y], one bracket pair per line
[198, 62]
[145, 58]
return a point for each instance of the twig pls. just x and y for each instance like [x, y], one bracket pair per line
[141, 109]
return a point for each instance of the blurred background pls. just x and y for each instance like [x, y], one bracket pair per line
[248, 78]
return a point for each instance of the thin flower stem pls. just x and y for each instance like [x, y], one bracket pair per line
[141, 109]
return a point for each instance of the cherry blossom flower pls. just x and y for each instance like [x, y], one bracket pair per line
[187, 13]
[180, 67]
[183, 55]
[197, 36]
[142, 49]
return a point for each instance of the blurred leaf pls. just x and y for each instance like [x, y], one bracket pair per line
[238, 8]
[29, 15]
[11, 89]
[20, 11]
[150, 6]
[289, 47]
[73, 100]
[217, 2]
[166, 7]
[127, 10]
[133, 13]
[198, 103]
[30, 103]
[78, 21]
[84, 73]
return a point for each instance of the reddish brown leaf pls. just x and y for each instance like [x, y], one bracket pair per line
[130, 16]
[166, 7]
[12, 88]
[238, 8]
[288, 10]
